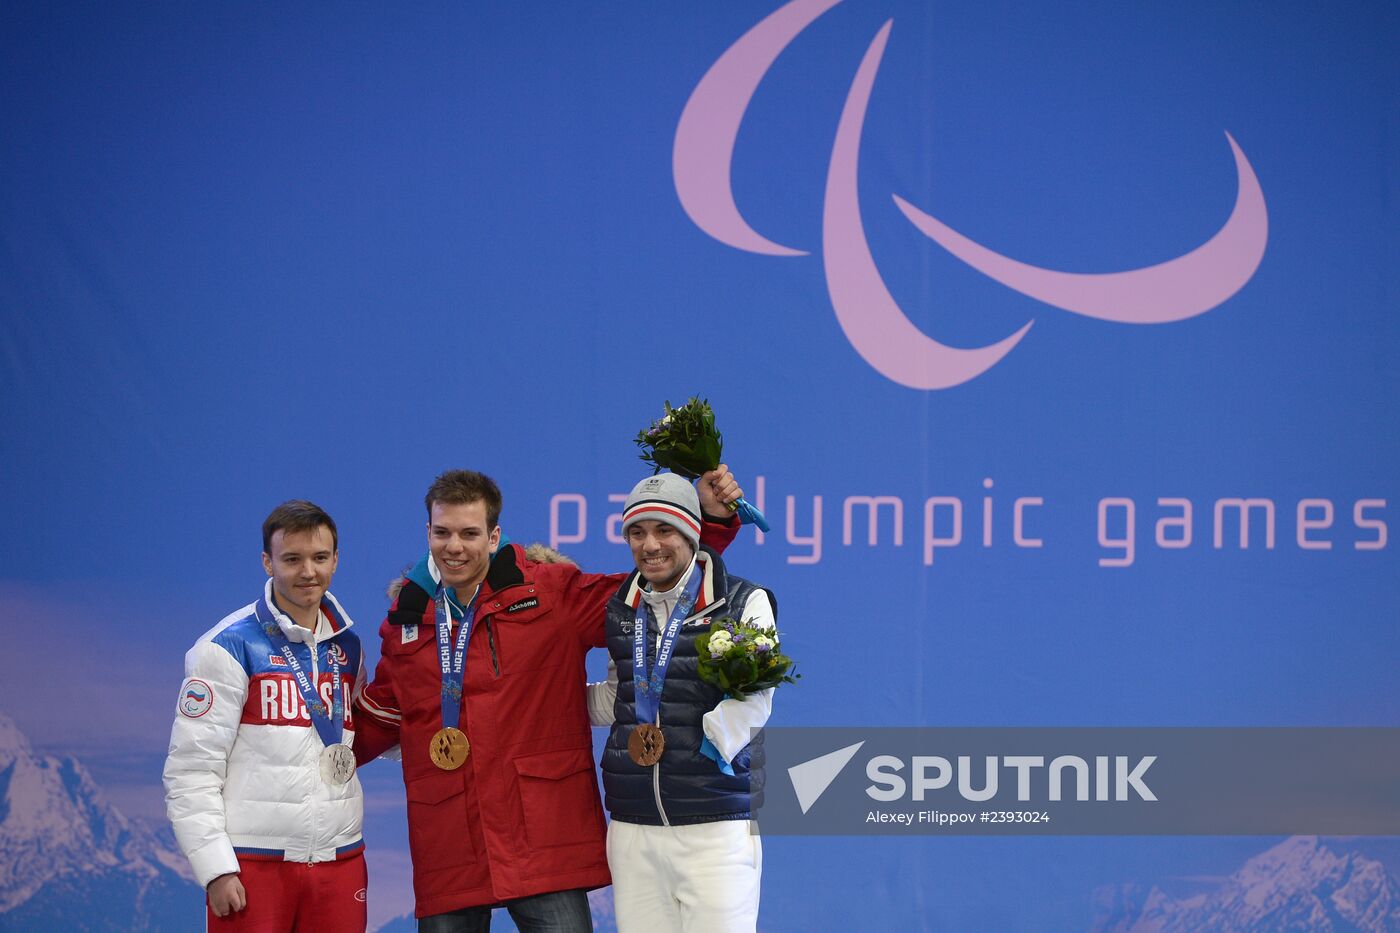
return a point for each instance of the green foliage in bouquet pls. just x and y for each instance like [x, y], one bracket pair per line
[741, 659]
[683, 441]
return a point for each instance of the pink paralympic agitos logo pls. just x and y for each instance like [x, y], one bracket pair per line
[876, 326]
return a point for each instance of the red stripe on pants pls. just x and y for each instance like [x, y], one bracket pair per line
[305, 897]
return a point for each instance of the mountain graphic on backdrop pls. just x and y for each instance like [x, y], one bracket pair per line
[1298, 885]
[69, 860]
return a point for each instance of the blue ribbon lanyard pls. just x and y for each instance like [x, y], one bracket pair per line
[452, 655]
[329, 727]
[750, 515]
[648, 687]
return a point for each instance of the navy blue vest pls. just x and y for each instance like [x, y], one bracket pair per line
[691, 787]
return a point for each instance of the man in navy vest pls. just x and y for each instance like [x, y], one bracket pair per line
[678, 773]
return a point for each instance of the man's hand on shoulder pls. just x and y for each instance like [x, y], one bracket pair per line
[716, 490]
[226, 894]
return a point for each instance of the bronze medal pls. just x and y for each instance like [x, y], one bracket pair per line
[449, 749]
[645, 744]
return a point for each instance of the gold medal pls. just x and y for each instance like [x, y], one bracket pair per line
[449, 749]
[645, 744]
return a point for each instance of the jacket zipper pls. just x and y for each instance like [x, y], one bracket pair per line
[315, 810]
[656, 781]
[491, 643]
[708, 609]
[490, 633]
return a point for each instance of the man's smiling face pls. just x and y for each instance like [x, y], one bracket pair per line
[662, 553]
[301, 565]
[460, 543]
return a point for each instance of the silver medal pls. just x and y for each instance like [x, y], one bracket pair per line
[337, 764]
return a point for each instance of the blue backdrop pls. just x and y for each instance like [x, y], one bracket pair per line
[256, 251]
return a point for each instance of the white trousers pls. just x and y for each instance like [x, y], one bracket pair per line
[701, 878]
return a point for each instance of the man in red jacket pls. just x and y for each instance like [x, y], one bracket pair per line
[481, 682]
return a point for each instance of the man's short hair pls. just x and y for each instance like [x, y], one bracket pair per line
[461, 487]
[298, 515]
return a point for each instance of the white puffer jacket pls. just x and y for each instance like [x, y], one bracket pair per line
[243, 779]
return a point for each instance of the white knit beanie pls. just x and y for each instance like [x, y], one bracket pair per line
[667, 498]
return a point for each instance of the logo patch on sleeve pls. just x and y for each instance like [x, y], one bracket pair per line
[196, 699]
[529, 603]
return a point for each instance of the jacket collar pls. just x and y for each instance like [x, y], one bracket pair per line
[504, 571]
[336, 619]
[714, 584]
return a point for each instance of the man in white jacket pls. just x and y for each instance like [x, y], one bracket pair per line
[260, 779]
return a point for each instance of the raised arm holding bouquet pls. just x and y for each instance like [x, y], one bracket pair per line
[685, 441]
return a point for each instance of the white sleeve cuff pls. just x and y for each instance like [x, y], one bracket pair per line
[602, 698]
[729, 725]
[212, 860]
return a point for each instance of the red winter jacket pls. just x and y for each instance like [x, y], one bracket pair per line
[522, 816]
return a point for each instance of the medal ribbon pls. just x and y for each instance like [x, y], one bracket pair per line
[329, 727]
[750, 515]
[451, 656]
[648, 687]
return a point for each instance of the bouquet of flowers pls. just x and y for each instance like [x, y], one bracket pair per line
[685, 441]
[741, 659]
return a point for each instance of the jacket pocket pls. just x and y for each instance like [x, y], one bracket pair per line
[559, 795]
[437, 821]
